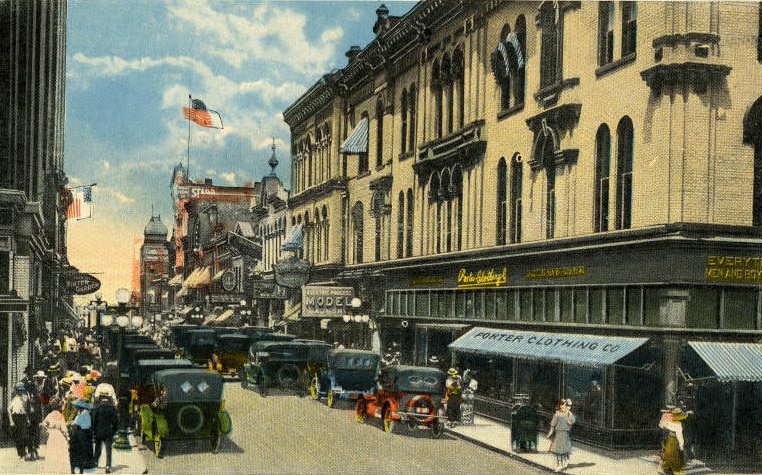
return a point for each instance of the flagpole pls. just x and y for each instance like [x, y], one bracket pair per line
[190, 100]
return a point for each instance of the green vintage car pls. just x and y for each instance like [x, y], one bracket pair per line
[199, 345]
[188, 405]
[282, 364]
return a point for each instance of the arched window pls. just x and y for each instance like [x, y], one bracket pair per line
[436, 88]
[409, 226]
[411, 99]
[401, 225]
[458, 77]
[606, 12]
[503, 79]
[549, 49]
[519, 83]
[363, 157]
[630, 27]
[602, 172]
[444, 193]
[403, 115]
[502, 179]
[357, 230]
[310, 162]
[457, 198]
[324, 213]
[379, 131]
[625, 144]
[449, 100]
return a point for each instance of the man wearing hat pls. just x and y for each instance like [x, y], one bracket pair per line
[672, 458]
[105, 425]
[18, 410]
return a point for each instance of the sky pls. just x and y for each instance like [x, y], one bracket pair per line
[130, 66]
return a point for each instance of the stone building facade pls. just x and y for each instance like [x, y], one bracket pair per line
[585, 170]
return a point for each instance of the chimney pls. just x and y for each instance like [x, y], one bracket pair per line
[352, 54]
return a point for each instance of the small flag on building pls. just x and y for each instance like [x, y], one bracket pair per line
[198, 113]
[81, 206]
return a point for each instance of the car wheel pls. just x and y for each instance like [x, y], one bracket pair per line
[437, 429]
[360, 410]
[411, 425]
[388, 420]
[288, 375]
[244, 378]
[329, 399]
[315, 389]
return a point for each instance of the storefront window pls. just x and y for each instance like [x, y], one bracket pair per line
[422, 304]
[445, 304]
[411, 303]
[740, 308]
[500, 305]
[550, 305]
[478, 304]
[403, 303]
[489, 304]
[510, 299]
[651, 306]
[394, 296]
[460, 304]
[638, 398]
[580, 305]
[469, 298]
[495, 375]
[540, 380]
[389, 301]
[584, 386]
[703, 308]
[435, 304]
[526, 304]
[538, 304]
[596, 305]
[615, 305]
[634, 297]
[567, 301]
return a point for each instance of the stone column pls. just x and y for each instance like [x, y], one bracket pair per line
[672, 310]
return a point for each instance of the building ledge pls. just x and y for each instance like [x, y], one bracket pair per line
[513, 110]
[615, 65]
[549, 95]
[687, 73]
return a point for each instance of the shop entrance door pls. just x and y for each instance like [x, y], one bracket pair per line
[748, 418]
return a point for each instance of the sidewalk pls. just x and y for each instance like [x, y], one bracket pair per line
[123, 462]
[584, 460]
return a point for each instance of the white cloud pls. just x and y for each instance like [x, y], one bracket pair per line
[228, 177]
[106, 165]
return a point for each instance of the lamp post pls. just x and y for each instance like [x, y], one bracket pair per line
[246, 312]
[122, 441]
[355, 315]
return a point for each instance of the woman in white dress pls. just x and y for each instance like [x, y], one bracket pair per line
[57, 447]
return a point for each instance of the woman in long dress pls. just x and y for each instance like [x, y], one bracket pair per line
[57, 447]
[672, 459]
[560, 425]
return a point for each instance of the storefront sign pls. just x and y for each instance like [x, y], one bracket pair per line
[229, 280]
[269, 290]
[556, 272]
[318, 301]
[481, 279]
[734, 269]
[427, 281]
[153, 254]
[292, 272]
[82, 284]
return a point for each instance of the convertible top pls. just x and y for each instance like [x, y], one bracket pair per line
[413, 379]
[190, 385]
[146, 368]
[353, 359]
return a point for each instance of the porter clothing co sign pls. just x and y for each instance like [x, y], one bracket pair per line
[326, 302]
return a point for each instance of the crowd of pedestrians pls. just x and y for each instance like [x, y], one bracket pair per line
[66, 403]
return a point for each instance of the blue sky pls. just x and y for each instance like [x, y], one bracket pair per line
[130, 67]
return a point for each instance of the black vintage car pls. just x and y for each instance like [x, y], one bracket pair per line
[188, 405]
[179, 332]
[348, 374]
[149, 354]
[281, 364]
[232, 353]
[257, 333]
[199, 345]
[141, 383]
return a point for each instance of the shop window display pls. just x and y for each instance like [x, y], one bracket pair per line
[651, 306]
[550, 305]
[638, 393]
[489, 305]
[585, 386]
[501, 309]
[580, 305]
[411, 296]
[538, 305]
[703, 308]
[525, 311]
[511, 300]
[495, 375]
[541, 381]
[633, 314]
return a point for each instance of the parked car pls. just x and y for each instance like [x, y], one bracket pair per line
[257, 333]
[280, 364]
[188, 405]
[179, 332]
[232, 352]
[406, 394]
[199, 345]
[348, 374]
[142, 389]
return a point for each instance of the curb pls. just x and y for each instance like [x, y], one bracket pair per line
[498, 450]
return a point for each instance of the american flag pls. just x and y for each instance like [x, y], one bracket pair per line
[81, 206]
[198, 113]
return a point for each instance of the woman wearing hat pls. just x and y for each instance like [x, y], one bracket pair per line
[18, 411]
[560, 441]
[672, 459]
[81, 438]
[453, 396]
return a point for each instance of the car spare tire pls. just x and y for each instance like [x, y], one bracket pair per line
[190, 419]
[288, 375]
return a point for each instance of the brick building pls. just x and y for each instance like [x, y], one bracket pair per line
[495, 175]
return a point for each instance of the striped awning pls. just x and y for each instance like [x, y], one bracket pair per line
[224, 316]
[584, 350]
[507, 56]
[218, 276]
[295, 241]
[731, 361]
[203, 278]
[191, 278]
[357, 142]
[176, 281]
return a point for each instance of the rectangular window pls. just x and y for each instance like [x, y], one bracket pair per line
[580, 305]
[478, 304]
[567, 305]
[445, 304]
[605, 32]
[629, 27]
[615, 306]
[410, 303]
[422, 303]
[469, 299]
[549, 49]
[5, 272]
[550, 305]
[703, 308]
[460, 304]
[526, 304]
[510, 303]
[651, 306]
[501, 310]
[596, 305]
[538, 305]
[489, 304]
[435, 304]
[634, 302]
[740, 308]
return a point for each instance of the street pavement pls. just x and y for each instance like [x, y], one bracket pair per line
[286, 433]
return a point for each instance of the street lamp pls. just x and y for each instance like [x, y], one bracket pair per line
[122, 441]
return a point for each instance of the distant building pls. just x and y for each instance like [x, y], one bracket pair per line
[154, 269]
[586, 175]
[33, 195]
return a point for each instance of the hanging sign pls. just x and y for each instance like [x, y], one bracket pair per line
[82, 284]
[292, 272]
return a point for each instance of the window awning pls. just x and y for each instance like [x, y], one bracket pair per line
[357, 142]
[731, 361]
[203, 278]
[507, 56]
[224, 317]
[176, 281]
[295, 241]
[585, 350]
[218, 276]
[182, 292]
[191, 278]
